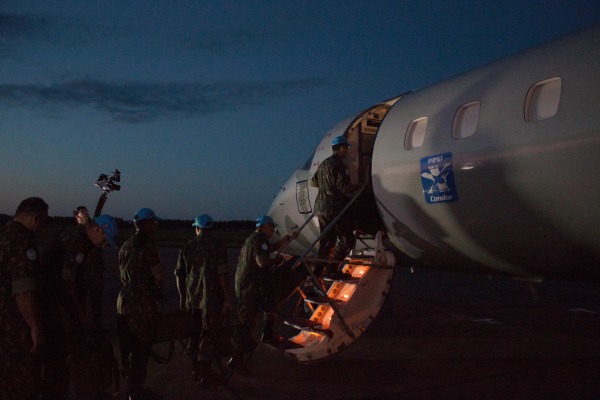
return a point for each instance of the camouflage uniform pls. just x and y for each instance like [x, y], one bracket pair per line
[139, 260]
[19, 372]
[91, 285]
[66, 261]
[200, 263]
[253, 283]
[69, 258]
[335, 188]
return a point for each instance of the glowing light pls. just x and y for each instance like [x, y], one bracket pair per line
[346, 290]
[357, 270]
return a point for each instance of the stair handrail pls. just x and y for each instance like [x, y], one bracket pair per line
[324, 231]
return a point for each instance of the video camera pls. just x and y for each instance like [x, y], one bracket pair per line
[107, 182]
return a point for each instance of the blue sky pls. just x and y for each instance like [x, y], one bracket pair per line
[209, 106]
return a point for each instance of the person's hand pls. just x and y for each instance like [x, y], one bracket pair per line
[38, 340]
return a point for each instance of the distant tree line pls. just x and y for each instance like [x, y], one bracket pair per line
[165, 224]
[4, 219]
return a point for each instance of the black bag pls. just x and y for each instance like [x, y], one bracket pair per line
[169, 327]
[172, 325]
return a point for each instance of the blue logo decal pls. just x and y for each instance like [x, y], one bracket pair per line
[437, 179]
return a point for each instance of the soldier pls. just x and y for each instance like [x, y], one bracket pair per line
[70, 256]
[67, 261]
[142, 279]
[202, 277]
[20, 326]
[335, 189]
[90, 288]
[253, 281]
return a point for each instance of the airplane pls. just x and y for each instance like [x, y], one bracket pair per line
[493, 171]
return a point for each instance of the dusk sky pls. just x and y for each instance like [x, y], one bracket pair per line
[209, 106]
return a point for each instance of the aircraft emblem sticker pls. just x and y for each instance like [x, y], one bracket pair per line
[437, 179]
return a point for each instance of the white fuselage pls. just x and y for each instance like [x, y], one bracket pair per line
[494, 170]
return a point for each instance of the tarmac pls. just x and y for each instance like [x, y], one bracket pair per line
[440, 335]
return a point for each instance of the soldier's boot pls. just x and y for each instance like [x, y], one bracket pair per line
[268, 335]
[334, 272]
[205, 376]
[195, 369]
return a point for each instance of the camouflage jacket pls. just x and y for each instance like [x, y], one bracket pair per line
[139, 260]
[18, 269]
[200, 262]
[335, 187]
[249, 274]
[70, 256]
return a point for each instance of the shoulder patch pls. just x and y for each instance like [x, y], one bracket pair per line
[79, 258]
[31, 254]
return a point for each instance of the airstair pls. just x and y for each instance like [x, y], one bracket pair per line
[343, 308]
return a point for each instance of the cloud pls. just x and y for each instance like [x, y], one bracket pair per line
[14, 26]
[19, 31]
[135, 102]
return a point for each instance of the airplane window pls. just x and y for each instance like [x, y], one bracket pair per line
[415, 134]
[542, 100]
[465, 120]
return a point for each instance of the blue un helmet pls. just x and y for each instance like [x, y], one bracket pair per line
[340, 140]
[145, 213]
[203, 221]
[264, 220]
[109, 226]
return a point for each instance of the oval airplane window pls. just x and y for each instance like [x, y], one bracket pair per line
[542, 100]
[465, 120]
[415, 134]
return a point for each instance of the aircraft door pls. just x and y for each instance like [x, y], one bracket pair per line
[361, 135]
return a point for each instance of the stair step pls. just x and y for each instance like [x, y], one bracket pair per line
[307, 324]
[301, 323]
[322, 300]
[348, 279]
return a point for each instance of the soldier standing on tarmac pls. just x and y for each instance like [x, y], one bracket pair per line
[202, 276]
[20, 326]
[142, 279]
[69, 257]
[66, 262]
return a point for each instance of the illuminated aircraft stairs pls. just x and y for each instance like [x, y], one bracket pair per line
[349, 305]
